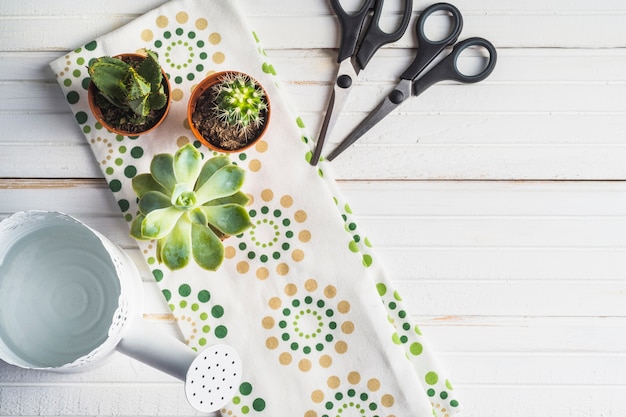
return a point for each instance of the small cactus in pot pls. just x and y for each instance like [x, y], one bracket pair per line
[240, 102]
[129, 93]
[229, 111]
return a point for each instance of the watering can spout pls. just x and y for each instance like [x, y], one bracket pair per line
[145, 343]
[211, 377]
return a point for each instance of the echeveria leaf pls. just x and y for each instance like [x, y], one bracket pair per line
[153, 200]
[135, 227]
[187, 165]
[162, 169]
[210, 167]
[143, 183]
[159, 223]
[176, 247]
[225, 182]
[239, 197]
[207, 248]
[230, 219]
[197, 216]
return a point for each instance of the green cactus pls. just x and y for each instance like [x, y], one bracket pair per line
[189, 205]
[240, 102]
[126, 86]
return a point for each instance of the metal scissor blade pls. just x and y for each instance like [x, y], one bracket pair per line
[389, 103]
[336, 103]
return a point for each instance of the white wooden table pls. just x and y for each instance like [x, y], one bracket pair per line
[500, 208]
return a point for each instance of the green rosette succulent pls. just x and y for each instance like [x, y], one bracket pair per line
[189, 206]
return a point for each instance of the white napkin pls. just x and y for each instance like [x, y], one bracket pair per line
[301, 295]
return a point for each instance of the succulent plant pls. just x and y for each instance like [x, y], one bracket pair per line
[188, 206]
[135, 87]
[240, 102]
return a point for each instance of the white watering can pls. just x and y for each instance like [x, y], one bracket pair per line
[69, 297]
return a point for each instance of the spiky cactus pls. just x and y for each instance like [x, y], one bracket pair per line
[240, 102]
[135, 87]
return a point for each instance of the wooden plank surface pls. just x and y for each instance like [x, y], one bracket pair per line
[499, 208]
[452, 132]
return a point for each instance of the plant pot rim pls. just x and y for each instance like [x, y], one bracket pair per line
[95, 109]
[204, 85]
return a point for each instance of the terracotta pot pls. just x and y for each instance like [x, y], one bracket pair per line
[203, 86]
[95, 109]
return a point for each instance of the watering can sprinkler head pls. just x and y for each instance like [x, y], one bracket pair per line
[211, 377]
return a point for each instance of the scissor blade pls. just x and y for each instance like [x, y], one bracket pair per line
[337, 101]
[323, 131]
[389, 104]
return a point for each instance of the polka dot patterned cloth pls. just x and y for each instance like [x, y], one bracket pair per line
[301, 294]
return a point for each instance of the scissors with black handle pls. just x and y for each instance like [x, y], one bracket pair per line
[355, 51]
[446, 69]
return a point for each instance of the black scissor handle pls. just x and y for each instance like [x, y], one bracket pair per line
[375, 37]
[448, 68]
[427, 48]
[351, 26]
